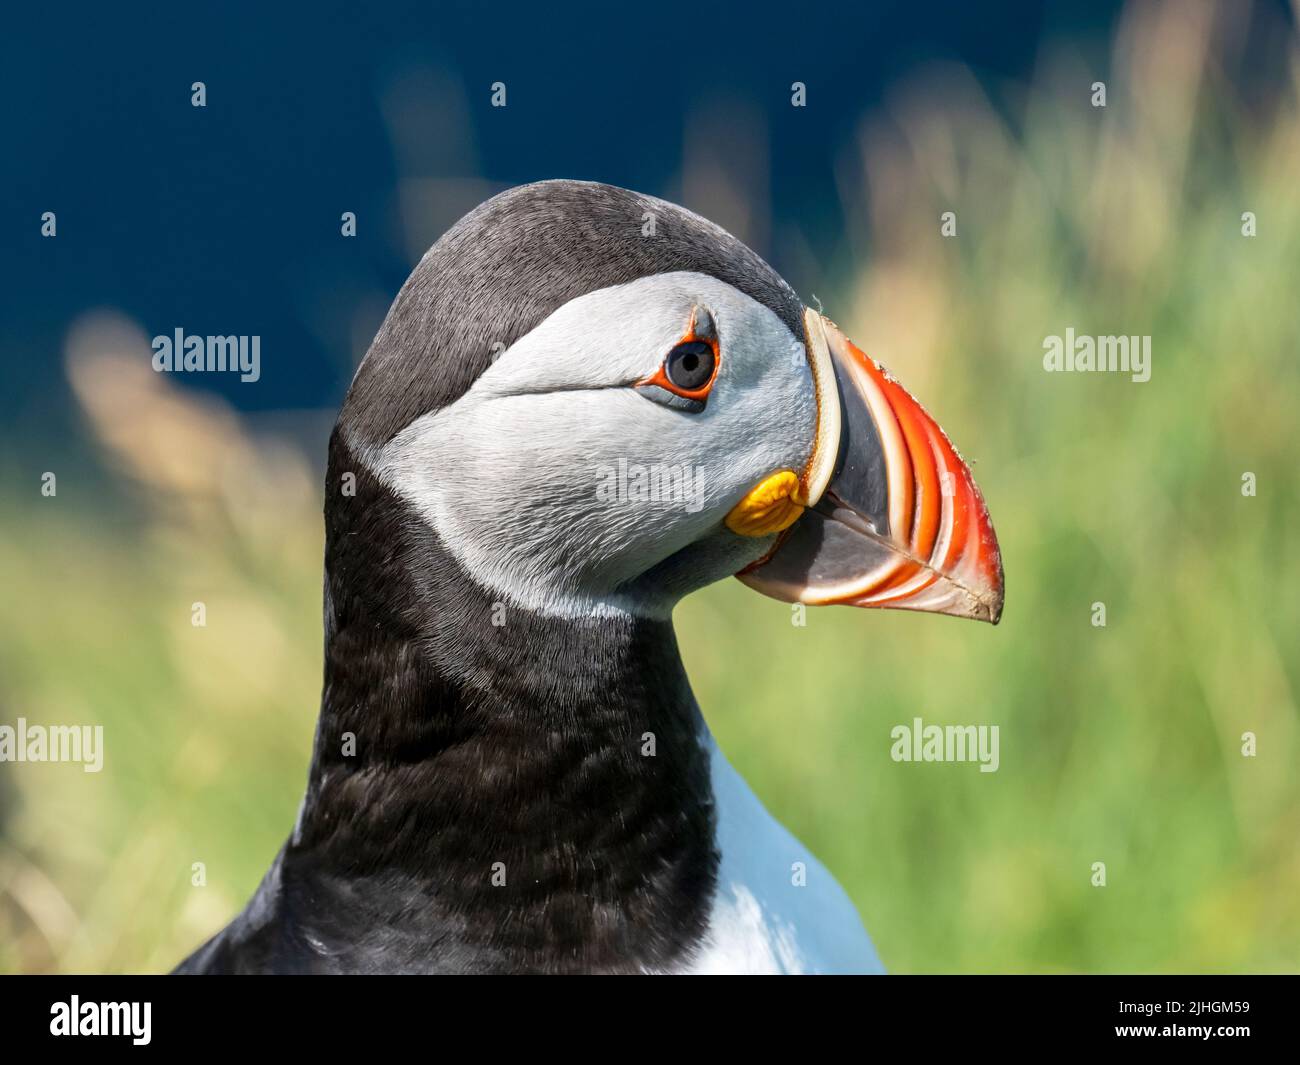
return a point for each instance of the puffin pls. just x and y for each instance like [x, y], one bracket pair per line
[510, 772]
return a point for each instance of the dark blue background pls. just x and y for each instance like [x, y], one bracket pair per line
[225, 219]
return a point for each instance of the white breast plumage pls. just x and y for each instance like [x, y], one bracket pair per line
[777, 910]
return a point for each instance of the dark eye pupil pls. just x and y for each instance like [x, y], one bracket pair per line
[690, 365]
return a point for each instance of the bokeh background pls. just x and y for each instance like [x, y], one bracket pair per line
[1120, 744]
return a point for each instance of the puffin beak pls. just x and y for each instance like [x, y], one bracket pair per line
[889, 514]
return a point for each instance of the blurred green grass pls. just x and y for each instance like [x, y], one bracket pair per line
[1118, 744]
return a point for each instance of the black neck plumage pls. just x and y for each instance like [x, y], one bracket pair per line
[490, 788]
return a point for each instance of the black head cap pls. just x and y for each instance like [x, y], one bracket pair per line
[511, 262]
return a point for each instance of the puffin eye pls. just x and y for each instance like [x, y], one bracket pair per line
[689, 366]
[686, 377]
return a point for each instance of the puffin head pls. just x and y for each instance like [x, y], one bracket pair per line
[600, 402]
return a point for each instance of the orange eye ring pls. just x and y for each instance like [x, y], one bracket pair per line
[700, 338]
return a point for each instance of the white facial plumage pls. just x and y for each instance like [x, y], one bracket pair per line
[563, 488]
